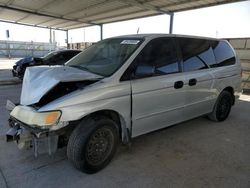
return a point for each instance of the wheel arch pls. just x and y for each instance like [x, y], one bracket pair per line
[124, 133]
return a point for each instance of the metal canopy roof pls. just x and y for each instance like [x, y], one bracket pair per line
[71, 14]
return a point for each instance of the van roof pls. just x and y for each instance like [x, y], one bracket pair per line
[154, 35]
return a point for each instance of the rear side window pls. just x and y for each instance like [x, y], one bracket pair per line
[161, 54]
[196, 54]
[223, 53]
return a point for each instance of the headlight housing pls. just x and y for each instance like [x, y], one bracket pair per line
[46, 118]
[30, 116]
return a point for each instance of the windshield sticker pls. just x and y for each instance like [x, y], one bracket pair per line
[130, 42]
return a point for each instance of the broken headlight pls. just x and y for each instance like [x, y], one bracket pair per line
[29, 116]
[48, 118]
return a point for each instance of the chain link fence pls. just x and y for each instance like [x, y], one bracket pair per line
[14, 49]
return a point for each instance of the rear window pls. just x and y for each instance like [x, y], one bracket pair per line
[223, 53]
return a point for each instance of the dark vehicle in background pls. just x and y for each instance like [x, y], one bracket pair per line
[54, 58]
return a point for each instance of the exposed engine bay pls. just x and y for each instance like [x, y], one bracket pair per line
[62, 89]
[42, 85]
[40, 82]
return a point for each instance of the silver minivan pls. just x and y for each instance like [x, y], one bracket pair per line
[120, 88]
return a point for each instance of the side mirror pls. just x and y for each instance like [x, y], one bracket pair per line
[144, 71]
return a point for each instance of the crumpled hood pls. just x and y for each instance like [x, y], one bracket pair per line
[40, 80]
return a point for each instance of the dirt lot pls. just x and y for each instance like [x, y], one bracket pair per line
[197, 153]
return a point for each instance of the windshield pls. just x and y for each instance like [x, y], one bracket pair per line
[105, 57]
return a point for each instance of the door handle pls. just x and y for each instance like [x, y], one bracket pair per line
[192, 82]
[178, 84]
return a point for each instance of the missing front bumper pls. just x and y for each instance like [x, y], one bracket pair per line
[28, 137]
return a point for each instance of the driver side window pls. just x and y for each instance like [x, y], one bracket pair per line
[158, 57]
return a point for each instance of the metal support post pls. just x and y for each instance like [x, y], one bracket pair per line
[171, 23]
[50, 35]
[101, 31]
[67, 39]
[50, 39]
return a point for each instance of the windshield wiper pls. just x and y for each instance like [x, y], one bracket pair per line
[80, 67]
[84, 68]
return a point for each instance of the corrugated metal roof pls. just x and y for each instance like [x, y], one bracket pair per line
[70, 14]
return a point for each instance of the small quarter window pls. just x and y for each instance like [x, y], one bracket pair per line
[223, 53]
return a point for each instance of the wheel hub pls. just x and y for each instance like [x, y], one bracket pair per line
[99, 146]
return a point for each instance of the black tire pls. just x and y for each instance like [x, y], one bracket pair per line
[222, 107]
[93, 144]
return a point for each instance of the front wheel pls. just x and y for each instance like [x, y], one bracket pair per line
[222, 107]
[93, 144]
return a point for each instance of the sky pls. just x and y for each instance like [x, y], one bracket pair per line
[224, 21]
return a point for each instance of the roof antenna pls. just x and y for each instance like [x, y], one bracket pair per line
[217, 33]
[138, 30]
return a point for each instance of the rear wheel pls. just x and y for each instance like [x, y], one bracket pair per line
[92, 144]
[222, 107]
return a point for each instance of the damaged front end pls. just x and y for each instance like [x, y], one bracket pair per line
[43, 130]
[27, 137]
[31, 129]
